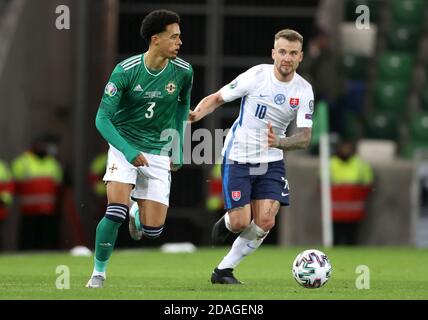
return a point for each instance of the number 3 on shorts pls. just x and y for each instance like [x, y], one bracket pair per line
[150, 111]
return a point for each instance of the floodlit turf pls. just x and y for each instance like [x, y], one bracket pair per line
[395, 273]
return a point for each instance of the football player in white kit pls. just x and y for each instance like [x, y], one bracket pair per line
[253, 170]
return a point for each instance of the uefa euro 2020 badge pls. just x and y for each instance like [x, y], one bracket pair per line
[233, 84]
[110, 89]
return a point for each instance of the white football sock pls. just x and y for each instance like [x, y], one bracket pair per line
[227, 221]
[247, 242]
[98, 273]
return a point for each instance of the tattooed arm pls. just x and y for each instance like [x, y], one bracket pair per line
[299, 140]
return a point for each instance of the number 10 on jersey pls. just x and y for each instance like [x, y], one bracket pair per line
[260, 111]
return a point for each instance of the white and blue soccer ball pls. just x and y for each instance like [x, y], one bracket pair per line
[311, 269]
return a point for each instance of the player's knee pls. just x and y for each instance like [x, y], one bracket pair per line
[239, 219]
[266, 224]
[117, 212]
[151, 232]
[239, 225]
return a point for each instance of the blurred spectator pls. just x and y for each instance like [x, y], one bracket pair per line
[6, 191]
[38, 176]
[323, 69]
[96, 173]
[215, 202]
[328, 15]
[351, 182]
[215, 196]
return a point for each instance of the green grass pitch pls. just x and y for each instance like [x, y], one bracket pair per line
[395, 273]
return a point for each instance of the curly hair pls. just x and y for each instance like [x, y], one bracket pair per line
[156, 21]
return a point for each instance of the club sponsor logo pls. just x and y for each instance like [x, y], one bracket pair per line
[152, 94]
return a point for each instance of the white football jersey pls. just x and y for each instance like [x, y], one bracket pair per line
[265, 99]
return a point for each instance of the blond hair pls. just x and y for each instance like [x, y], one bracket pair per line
[290, 35]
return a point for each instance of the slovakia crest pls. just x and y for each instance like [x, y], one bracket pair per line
[236, 195]
[294, 103]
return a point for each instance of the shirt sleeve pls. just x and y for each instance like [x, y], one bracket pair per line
[181, 120]
[187, 88]
[110, 101]
[306, 110]
[239, 87]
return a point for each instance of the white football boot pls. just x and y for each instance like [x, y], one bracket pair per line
[95, 282]
[133, 215]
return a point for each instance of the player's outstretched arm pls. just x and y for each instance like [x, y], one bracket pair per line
[206, 106]
[299, 140]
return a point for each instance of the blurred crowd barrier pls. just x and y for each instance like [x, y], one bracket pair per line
[388, 221]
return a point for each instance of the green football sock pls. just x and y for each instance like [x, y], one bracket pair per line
[107, 231]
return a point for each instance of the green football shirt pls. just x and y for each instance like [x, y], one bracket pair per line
[145, 110]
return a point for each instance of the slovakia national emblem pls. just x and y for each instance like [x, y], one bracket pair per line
[236, 195]
[294, 103]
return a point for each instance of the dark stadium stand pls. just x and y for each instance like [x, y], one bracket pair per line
[396, 79]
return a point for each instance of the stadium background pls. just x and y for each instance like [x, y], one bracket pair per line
[52, 80]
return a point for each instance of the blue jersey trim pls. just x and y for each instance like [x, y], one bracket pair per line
[241, 114]
[226, 183]
[229, 145]
[226, 166]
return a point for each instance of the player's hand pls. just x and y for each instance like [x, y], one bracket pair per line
[174, 167]
[140, 160]
[195, 116]
[272, 139]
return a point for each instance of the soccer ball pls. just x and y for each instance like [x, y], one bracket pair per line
[311, 269]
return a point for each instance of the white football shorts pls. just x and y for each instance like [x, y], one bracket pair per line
[151, 183]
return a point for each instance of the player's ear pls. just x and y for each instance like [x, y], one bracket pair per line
[273, 54]
[155, 39]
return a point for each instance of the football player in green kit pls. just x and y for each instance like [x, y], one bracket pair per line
[142, 116]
